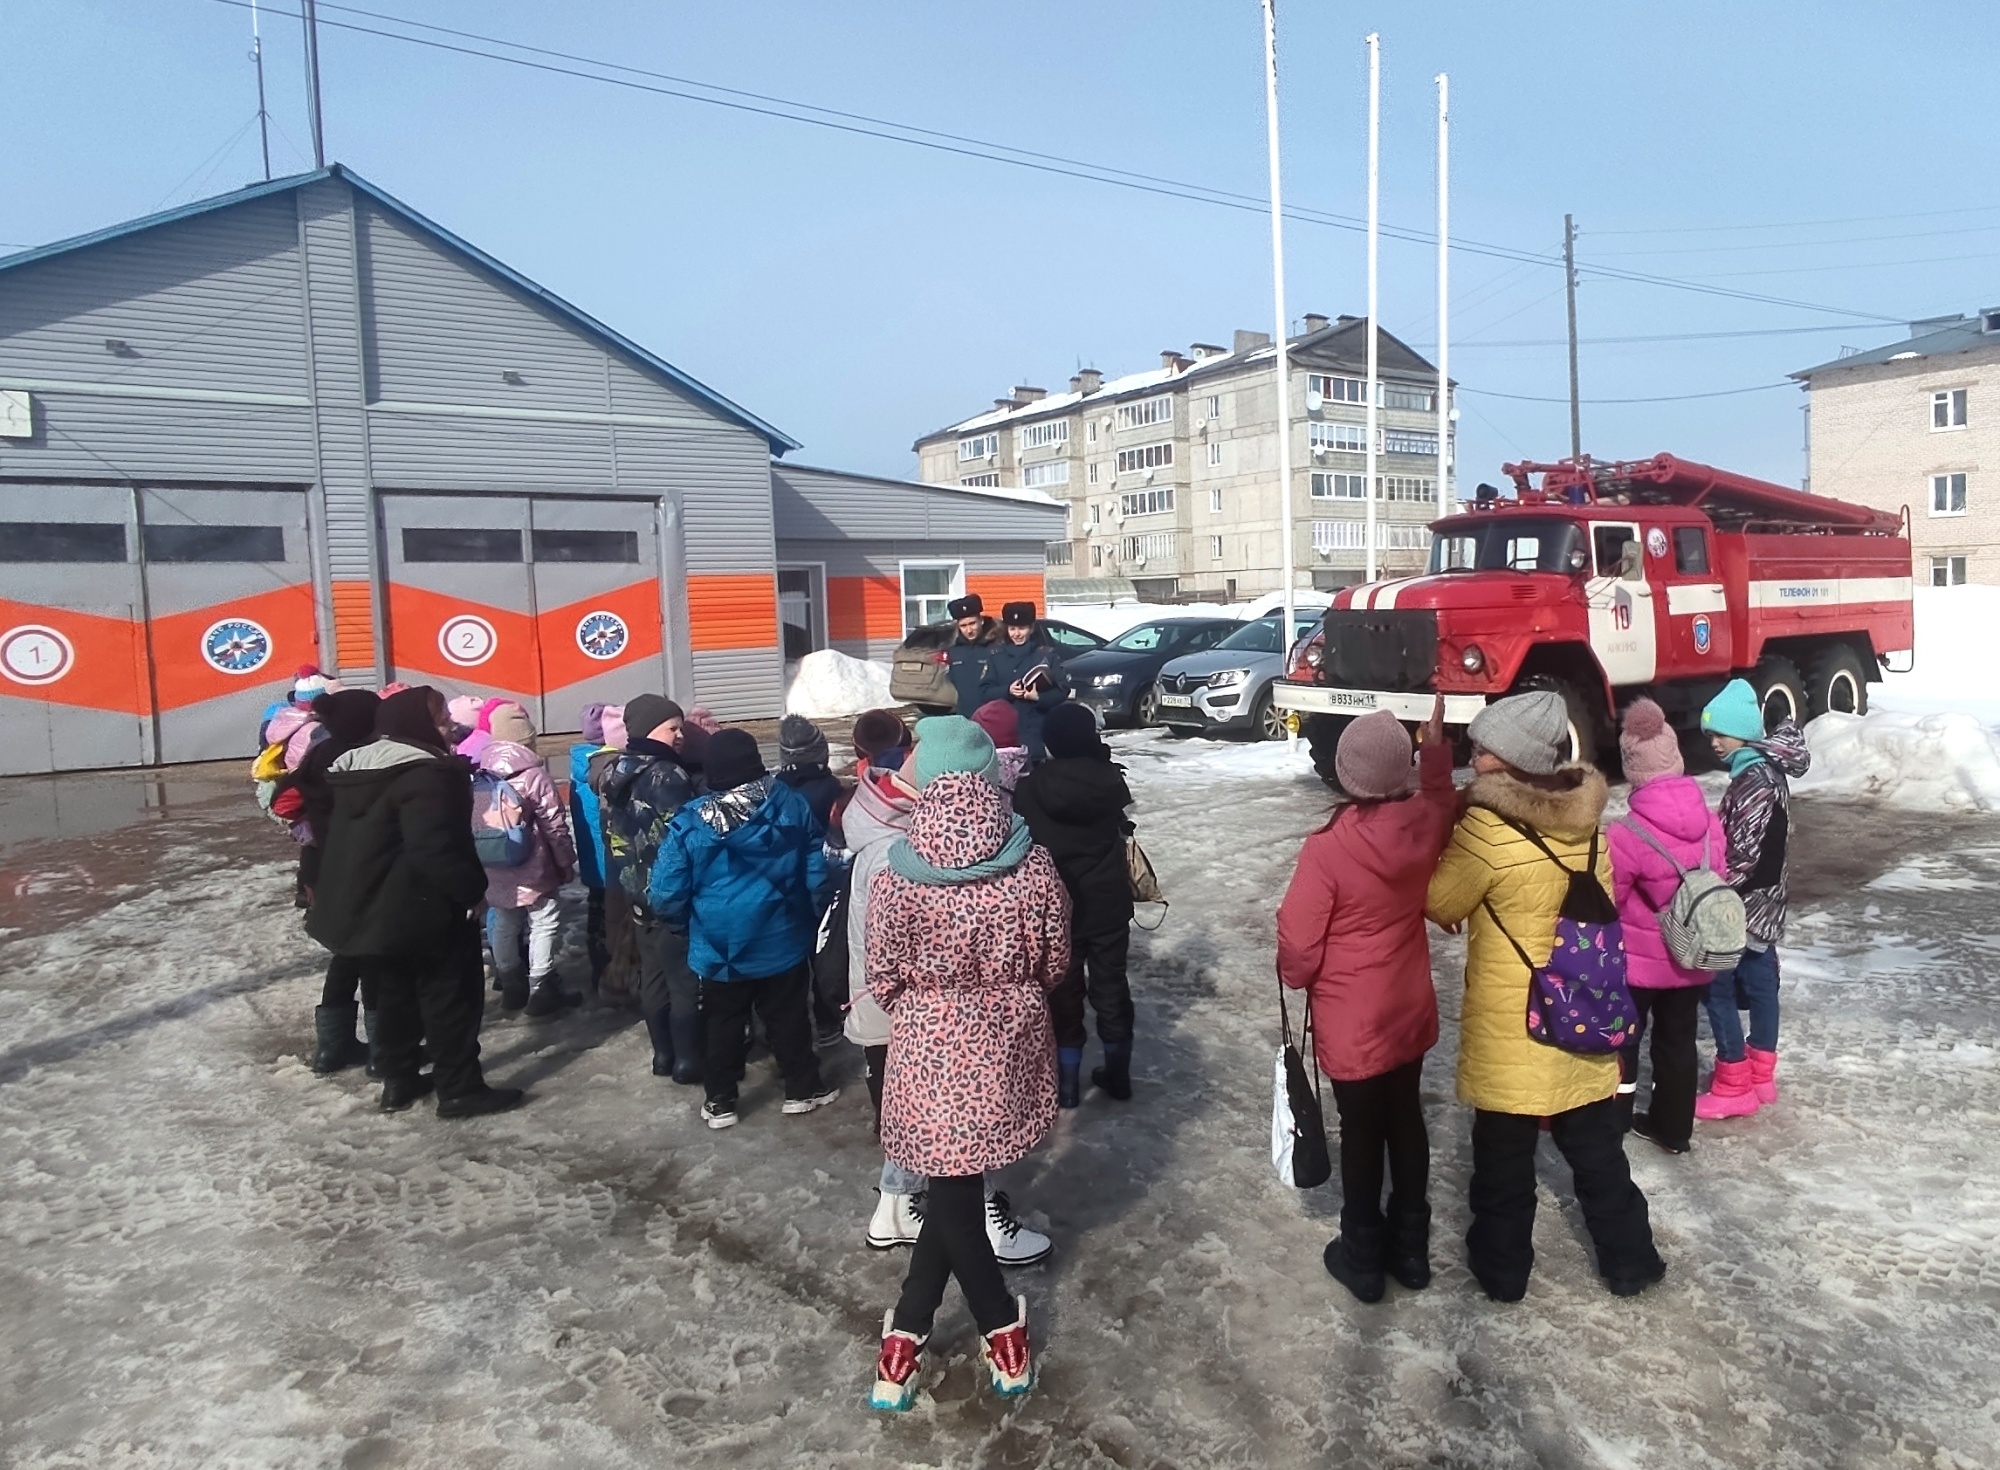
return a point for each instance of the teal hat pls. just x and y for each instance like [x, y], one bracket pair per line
[949, 743]
[1735, 712]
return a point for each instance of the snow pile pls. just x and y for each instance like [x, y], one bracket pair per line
[1929, 762]
[1958, 660]
[833, 685]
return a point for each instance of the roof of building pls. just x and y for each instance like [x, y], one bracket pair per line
[989, 492]
[778, 440]
[1340, 344]
[1937, 336]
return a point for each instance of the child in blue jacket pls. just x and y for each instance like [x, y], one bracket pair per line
[743, 868]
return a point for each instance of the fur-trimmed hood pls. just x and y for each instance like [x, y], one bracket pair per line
[1570, 807]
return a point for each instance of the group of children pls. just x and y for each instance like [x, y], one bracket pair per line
[1568, 967]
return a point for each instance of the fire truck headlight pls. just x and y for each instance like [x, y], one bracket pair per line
[1473, 660]
[1315, 656]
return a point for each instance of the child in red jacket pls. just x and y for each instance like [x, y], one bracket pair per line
[1351, 935]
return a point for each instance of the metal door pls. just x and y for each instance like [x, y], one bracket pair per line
[461, 605]
[73, 687]
[596, 575]
[798, 617]
[228, 577]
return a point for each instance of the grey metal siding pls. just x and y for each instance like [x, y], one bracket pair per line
[733, 684]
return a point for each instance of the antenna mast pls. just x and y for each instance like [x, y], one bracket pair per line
[309, 13]
[263, 114]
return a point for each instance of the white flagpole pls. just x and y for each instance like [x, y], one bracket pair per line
[1444, 295]
[1374, 331]
[1284, 326]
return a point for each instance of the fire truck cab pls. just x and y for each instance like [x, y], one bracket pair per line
[1604, 582]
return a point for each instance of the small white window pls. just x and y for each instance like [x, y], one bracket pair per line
[1096, 514]
[1215, 454]
[978, 447]
[1090, 474]
[1947, 571]
[1090, 431]
[1948, 409]
[1215, 548]
[1215, 502]
[1948, 495]
[928, 588]
[1215, 405]
[988, 481]
[1097, 556]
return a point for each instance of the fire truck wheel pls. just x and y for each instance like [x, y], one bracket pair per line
[1836, 682]
[1322, 733]
[1583, 721]
[1781, 691]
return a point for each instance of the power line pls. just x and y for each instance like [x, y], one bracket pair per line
[784, 109]
[1666, 337]
[1664, 398]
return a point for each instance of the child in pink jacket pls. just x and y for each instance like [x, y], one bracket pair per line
[527, 893]
[1668, 808]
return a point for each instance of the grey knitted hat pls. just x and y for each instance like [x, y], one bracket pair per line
[1528, 731]
[800, 742]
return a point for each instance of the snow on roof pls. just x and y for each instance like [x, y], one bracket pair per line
[990, 492]
[1933, 337]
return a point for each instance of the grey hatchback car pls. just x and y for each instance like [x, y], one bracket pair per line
[1228, 687]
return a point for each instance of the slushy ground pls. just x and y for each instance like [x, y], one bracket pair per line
[208, 1257]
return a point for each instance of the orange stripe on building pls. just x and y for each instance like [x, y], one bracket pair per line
[732, 610]
[998, 588]
[495, 646]
[353, 625]
[861, 609]
[635, 606]
[92, 660]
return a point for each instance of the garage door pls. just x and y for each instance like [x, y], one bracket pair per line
[229, 599]
[73, 690]
[596, 568]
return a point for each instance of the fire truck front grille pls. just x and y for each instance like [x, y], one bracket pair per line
[1391, 650]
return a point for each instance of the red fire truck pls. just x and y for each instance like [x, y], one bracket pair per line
[1607, 581]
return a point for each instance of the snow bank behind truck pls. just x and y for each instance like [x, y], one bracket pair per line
[1604, 582]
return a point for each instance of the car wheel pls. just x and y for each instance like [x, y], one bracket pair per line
[1181, 732]
[1146, 708]
[1267, 721]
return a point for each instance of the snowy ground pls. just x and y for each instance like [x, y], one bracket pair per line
[210, 1258]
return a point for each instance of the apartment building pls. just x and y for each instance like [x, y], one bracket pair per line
[1916, 424]
[1170, 475]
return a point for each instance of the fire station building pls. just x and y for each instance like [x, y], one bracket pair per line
[300, 423]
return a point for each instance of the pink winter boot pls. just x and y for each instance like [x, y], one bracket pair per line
[1730, 1093]
[1764, 1074]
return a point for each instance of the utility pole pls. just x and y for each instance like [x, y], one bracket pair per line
[309, 14]
[1369, 484]
[1569, 279]
[1284, 350]
[1444, 294]
[263, 114]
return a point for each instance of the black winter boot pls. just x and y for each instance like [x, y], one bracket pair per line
[334, 1045]
[546, 996]
[368, 1024]
[1114, 1078]
[1354, 1259]
[479, 1102]
[401, 1093]
[1069, 1077]
[1409, 1243]
[663, 1043]
[690, 1037]
[513, 990]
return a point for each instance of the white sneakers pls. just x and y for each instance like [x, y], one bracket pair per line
[896, 1221]
[1014, 1244]
[820, 1099]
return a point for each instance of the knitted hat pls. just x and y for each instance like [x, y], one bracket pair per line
[509, 721]
[614, 726]
[947, 743]
[878, 730]
[1527, 731]
[998, 719]
[590, 724]
[1372, 761]
[1736, 711]
[309, 681]
[348, 714]
[1018, 614]
[800, 742]
[1071, 729]
[1648, 744]
[733, 759]
[394, 686]
[968, 606]
[646, 713]
[464, 711]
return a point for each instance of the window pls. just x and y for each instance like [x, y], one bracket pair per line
[1215, 548]
[1348, 438]
[1947, 495]
[1403, 538]
[172, 543]
[1947, 571]
[1148, 457]
[1338, 486]
[1097, 556]
[1617, 547]
[1090, 474]
[598, 546]
[1090, 432]
[978, 447]
[1213, 406]
[1138, 415]
[1045, 472]
[1215, 454]
[1037, 436]
[461, 543]
[928, 588]
[988, 481]
[1948, 409]
[1416, 400]
[1060, 554]
[1147, 502]
[1157, 546]
[61, 541]
[1336, 390]
[1215, 502]
[1412, 489]
[1409, 441]
[1096, 515]
[1339, 536]
[1691, 551]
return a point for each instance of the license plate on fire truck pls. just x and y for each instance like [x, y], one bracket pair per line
[1350, 698]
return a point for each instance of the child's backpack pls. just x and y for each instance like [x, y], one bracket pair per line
[501, 828]
[1578, 1001]
[1704, 926]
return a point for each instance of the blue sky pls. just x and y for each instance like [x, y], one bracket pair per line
[858, 292]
